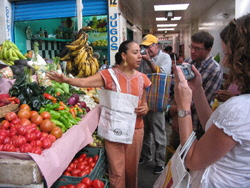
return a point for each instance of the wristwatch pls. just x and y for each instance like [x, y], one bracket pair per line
[183, 113]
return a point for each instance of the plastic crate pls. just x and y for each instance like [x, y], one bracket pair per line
[99, 169]
[64, 183]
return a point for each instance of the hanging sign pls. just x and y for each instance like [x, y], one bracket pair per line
[113, 30]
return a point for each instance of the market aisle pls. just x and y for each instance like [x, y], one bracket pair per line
[146, 176]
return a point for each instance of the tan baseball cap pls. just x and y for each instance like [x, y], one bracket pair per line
[149, 39]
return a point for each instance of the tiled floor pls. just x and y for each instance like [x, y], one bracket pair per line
[146, 176]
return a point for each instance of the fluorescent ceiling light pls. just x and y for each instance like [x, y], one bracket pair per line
[166, 19]
[171, 7]
[176, 18]
[166, 25]
[165, 29]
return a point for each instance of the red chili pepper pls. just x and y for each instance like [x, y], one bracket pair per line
[72, 111]
[48, 96]
[60, 108]
[3, 96]
[10, 98]
[17, 100]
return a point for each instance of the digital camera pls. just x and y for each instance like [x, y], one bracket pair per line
[143, 51]
[187, 71]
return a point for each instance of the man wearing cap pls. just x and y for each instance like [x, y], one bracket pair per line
[154, 61]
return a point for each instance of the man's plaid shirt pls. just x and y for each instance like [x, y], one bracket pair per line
[212, 76]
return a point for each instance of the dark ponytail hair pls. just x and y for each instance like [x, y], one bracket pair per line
[124, 46]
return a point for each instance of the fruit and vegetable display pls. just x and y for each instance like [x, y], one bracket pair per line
[80, 60]
[28, 131]
[86, 183]
[81, 165]
[9, 53]
[97, 141]
[46, 109]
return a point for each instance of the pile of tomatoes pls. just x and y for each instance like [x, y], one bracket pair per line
[86, 183]
[81, 166]
[27, 131]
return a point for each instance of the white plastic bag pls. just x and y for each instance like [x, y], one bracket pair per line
[117, 119]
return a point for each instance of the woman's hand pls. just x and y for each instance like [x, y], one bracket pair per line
[56, 76]
[195, 83]
[141, 110]
[182, 92]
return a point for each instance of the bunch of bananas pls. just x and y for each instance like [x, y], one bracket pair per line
[80, 60]
[9, 53]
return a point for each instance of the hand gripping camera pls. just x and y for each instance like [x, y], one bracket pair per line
[187, 71]
[143, 51]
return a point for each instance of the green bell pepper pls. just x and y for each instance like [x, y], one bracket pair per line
[35, 103]
[50, 90]
[35, 88]
[14, 91]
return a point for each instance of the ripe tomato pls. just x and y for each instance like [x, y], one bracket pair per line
[51, 137]
[36, 143]
[83, 173]
[23, 113]
[6, 140]
[63, 186]
[38, 133]
[95, 158]
[25, 122]
[57, 132]
[16, 121]
[36, 119]
[81, 185]
[80, 166]
[97, 184]
[37, 150]
[12, 132]
[25, 148]
[9, 147]
[46, 143]
[24, 106]
[90, 159]
[5, 124]
[87, 181]
[92, 164]
[44, 135]
[46, 125]
[84, 155]
[30, 136]
[31, 127]
[18, 140]
[33, 113]
[66, 173]
[45, 115]
[75, 172]
[10, 116]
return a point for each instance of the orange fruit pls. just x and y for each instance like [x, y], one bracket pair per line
[23, 113]
[33, 113]
[36, 119]
[46, 125]
[25, 106]
[45, 115]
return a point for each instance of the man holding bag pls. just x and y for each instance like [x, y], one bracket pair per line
[154, 61]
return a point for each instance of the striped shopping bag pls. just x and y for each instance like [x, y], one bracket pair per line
[159, 92]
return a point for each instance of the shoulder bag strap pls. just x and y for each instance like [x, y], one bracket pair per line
[184, 150]
[111, 71]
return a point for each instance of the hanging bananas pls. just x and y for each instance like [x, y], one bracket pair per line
[80, 62]
[9, 53]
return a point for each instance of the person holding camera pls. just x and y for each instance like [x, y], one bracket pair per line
[212, 76]
[154, 61]
[221, 157]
